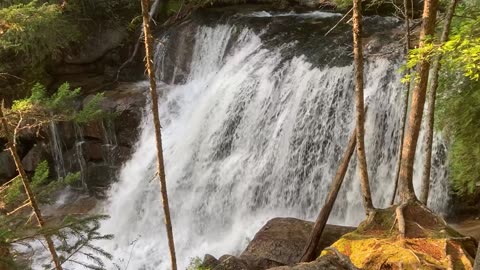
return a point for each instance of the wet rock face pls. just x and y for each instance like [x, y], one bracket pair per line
[7, 166]
[96, 149]
[280, 243]
[98, 44]
[37, 154]
[303, 35]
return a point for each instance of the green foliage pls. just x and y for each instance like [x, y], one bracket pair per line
[41, 185]
[91, 110]
[196, 264]
[61, 106]
[458, 100]
[41, 175]
[14, 191]
[71, 178]
[37, 31]
[459, 115]
[75, 235]
[75, 238]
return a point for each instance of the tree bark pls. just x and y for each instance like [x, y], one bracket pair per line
[359, 105]
[309, 253]
[406, 99]
[28, 190]
[476, 265]
[156, 122]
[407, 192]
[427, 162]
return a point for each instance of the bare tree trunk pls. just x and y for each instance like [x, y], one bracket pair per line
[156, 122]
[309, 253]
[407, 192]
[476, 265]
[405, 102]
[427, 163]
[31, 197]
[360, 114]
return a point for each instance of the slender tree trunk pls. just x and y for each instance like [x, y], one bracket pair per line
[156, 122]
[30, 195]
[476, 265]
[405, 102]
[427, 163]
[309, 253]
[360, 114]
[407, 192]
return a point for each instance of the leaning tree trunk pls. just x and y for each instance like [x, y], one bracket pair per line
[28, 190]
[407, 192]
[427, 163]
[156, 122]
[360, 114]
[309, 253]
[476, 265]
[405, 102]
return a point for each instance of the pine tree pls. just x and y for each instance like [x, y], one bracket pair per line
[35, 112]
[32, 202]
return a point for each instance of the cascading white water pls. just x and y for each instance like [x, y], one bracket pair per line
[109, 141]
[249, 137]
[57, 150]
[79, 157]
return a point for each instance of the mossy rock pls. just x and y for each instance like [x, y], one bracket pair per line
[429, 243]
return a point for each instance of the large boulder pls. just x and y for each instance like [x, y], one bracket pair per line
[98, 44]
[126, 101]
[7, 166]
[229, 262]
[280, 242]
[330, 261]
[283, 239]
[37, 154]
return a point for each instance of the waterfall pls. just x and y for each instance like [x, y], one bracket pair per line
[250, 136]
[57, 150]
[80, 158]
[109, 141]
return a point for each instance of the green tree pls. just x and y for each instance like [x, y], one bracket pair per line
[34, 112]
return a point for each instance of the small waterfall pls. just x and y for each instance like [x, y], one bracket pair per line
[252, 135]
[57, 150]
[82, 163]
[109, 141]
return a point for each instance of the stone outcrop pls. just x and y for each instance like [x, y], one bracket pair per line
[37, 154]
[280, 242]
[7, 166]
[96, 149]
[283, 239]
[98, 44]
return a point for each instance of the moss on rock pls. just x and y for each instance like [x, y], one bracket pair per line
[429, 243]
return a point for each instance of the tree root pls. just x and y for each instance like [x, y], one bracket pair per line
[343, 259]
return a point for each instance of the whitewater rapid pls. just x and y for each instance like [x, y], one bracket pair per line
[251, 136]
